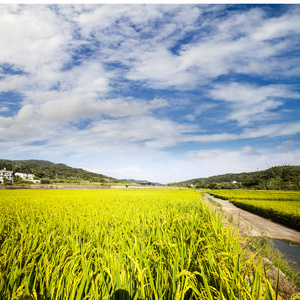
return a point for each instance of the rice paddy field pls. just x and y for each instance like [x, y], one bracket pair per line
[123, 244]
[280, 206]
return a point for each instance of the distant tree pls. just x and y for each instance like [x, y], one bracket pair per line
[17, 179]
[6, 181]
[40, 174]
[213, 186]
[45, 181]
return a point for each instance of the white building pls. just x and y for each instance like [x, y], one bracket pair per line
[25, 176]
[5, 174]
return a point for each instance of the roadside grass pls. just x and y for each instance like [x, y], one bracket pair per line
[212, 201]
[268, 250]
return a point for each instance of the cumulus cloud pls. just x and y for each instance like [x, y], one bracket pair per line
[33, 37]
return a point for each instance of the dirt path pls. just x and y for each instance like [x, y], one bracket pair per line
[253, 225]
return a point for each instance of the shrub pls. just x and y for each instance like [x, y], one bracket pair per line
[45, 181]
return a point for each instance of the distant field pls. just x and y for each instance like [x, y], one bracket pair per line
[256, 195]
[280, 206]
[121, 244]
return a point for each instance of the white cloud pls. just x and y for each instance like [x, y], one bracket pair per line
[286, 146]
[71, 107]
[4, 109]
[141, 38]
[13, 82]
[161, 69]
[221, 154]
[204, 154]
[25, 114]
[266, 131]
[33, 37]
[246, 93]
[229, 46]
[221, 161]
[88, 78]
[278, 27]
[272, 130]
[59, 108]
[198, 109]
[251, 103]
[17, 129]
[249, 150]
[133, 131]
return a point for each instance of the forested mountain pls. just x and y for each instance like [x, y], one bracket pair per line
[50, 170]
[275, 178]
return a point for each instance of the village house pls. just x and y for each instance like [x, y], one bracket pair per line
[25, 176]
[5, 174]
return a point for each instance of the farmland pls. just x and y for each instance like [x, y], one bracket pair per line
[122, 244]
[280, 206]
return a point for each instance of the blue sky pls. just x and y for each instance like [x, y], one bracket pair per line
[158, 92]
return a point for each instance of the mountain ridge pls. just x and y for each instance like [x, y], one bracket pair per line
[279, 177]
[50, 170]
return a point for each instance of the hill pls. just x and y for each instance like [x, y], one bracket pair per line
[275, 178]
[48, 170]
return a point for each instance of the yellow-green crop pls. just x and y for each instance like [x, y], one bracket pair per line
[280, 206]
[121, 244]
[256, 195]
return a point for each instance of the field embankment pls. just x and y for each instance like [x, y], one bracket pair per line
[80, 187]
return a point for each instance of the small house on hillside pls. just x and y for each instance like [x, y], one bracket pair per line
[25, 176]
[5, 174]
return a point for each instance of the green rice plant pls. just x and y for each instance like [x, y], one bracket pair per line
[121, 244]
